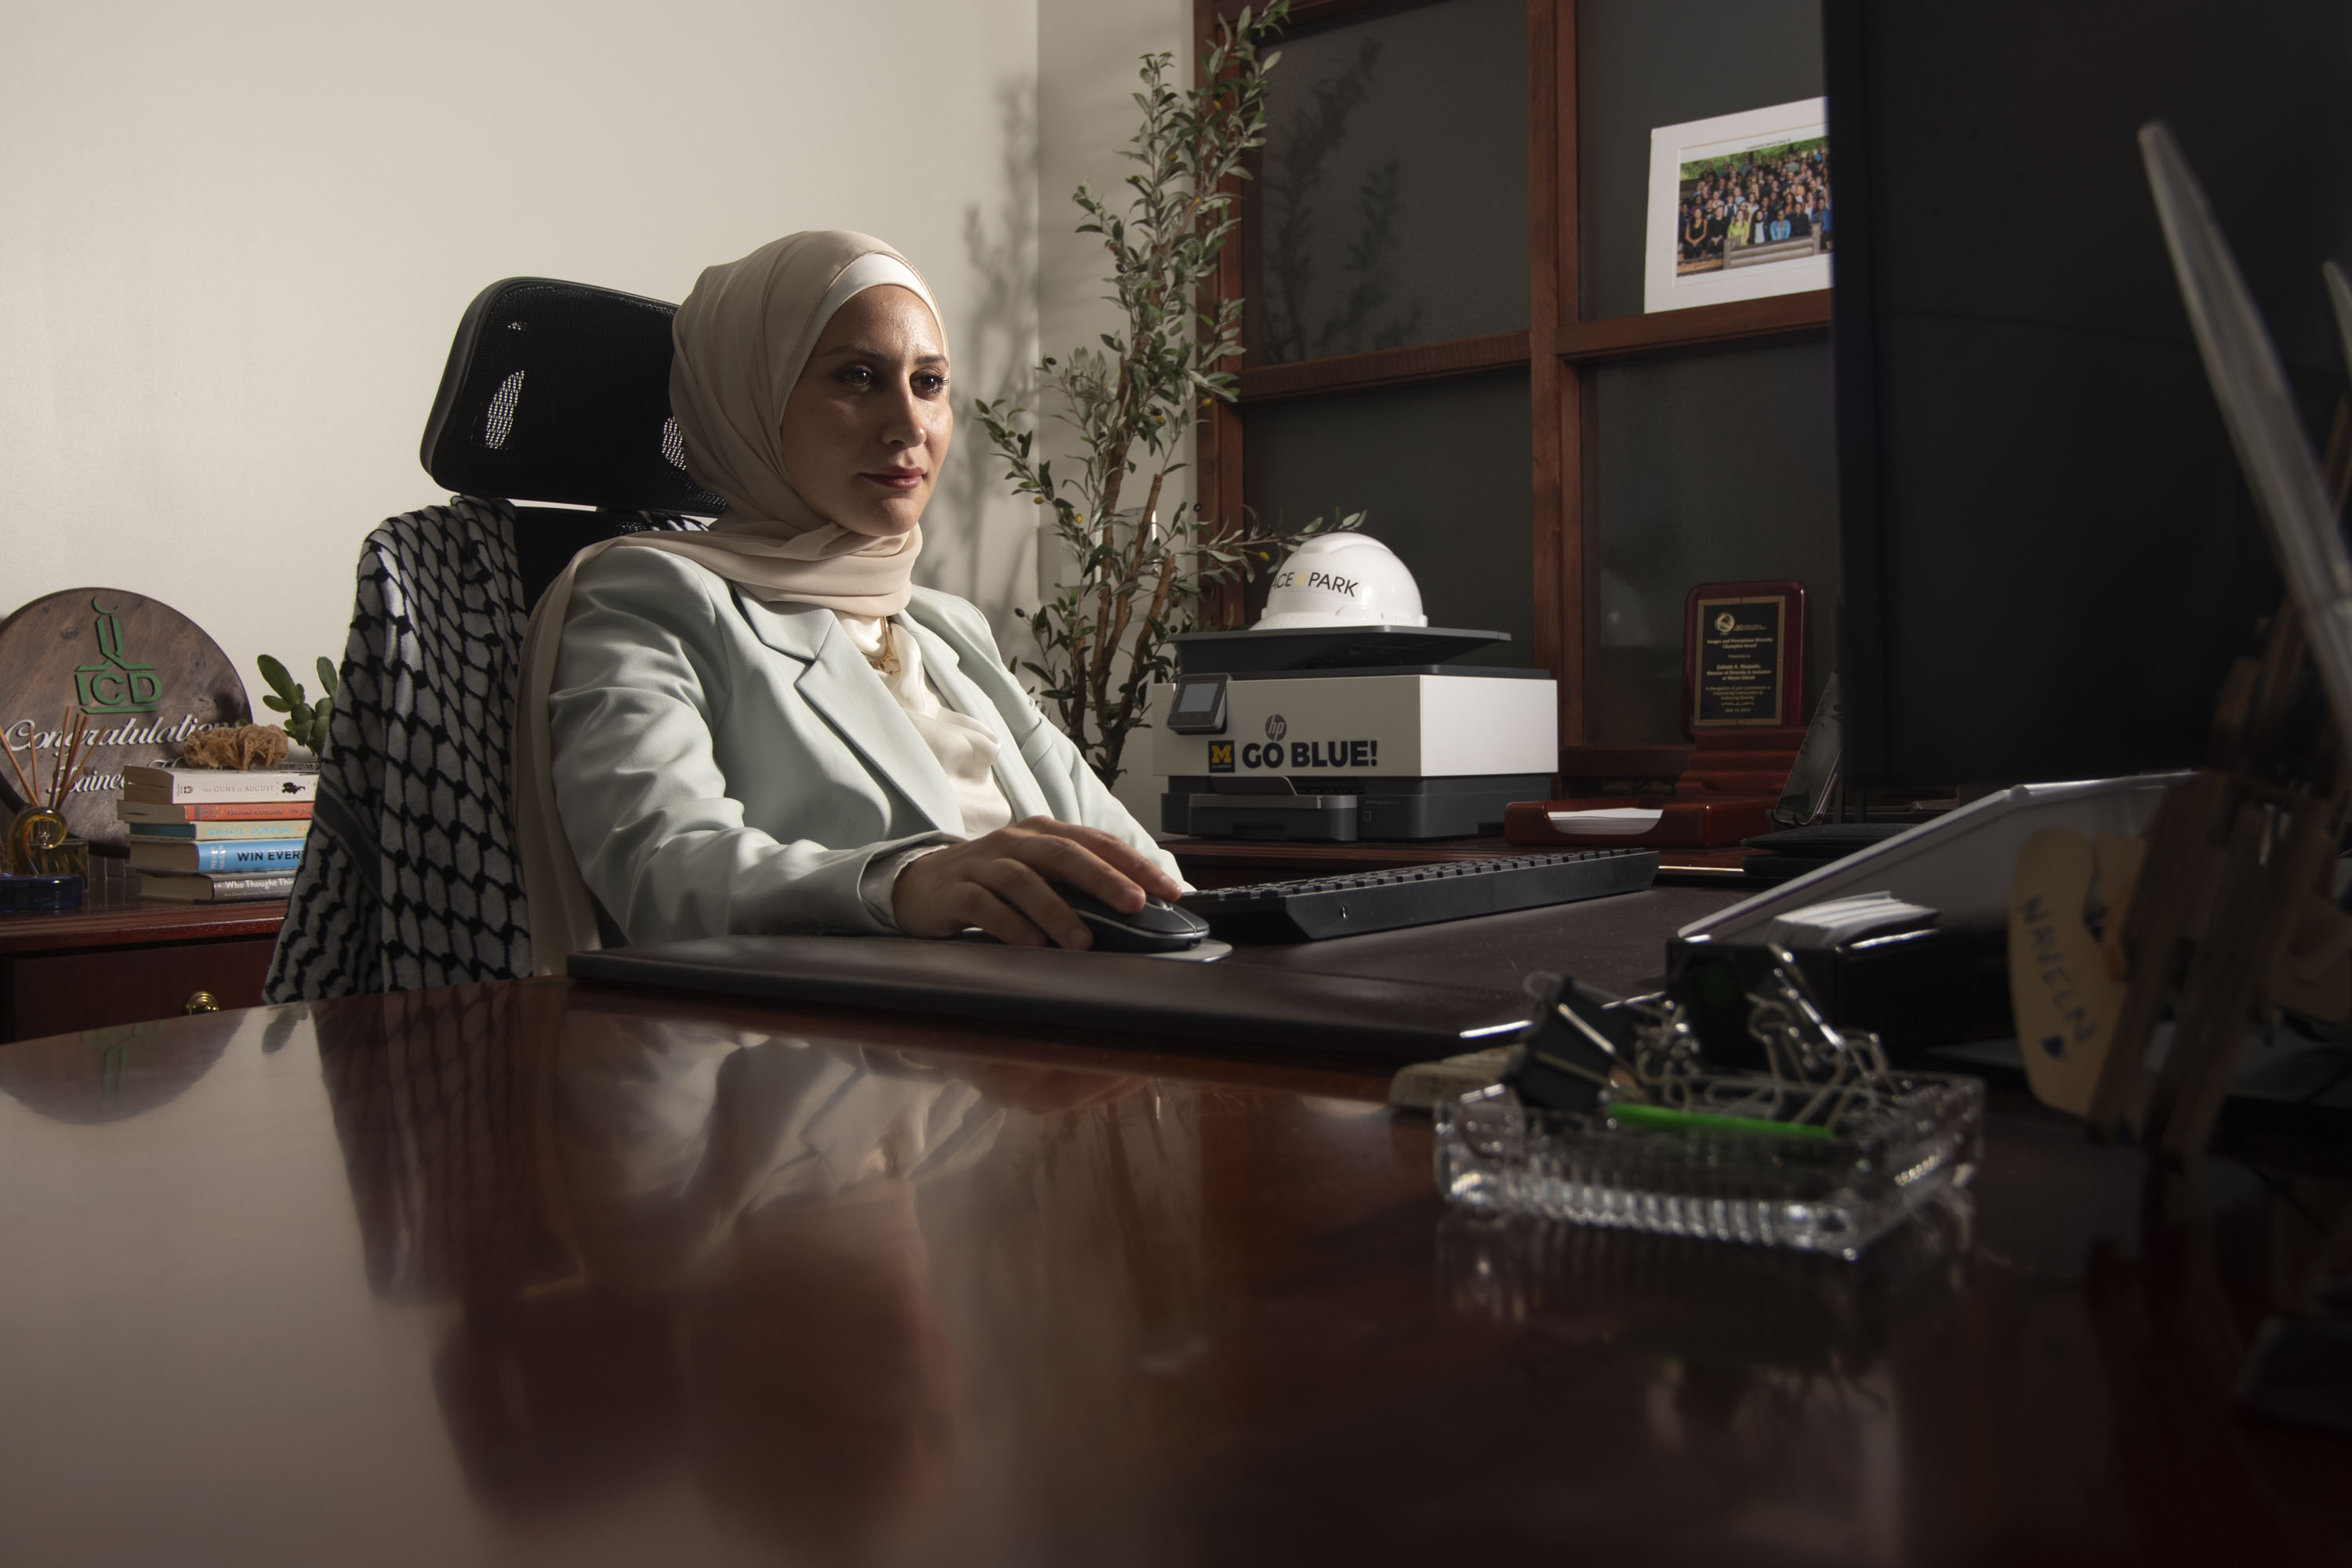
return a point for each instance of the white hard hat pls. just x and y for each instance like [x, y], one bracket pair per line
[1342, 580]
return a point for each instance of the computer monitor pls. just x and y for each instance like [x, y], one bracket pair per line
[2050, 553]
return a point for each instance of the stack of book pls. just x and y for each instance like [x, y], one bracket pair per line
[215, 835]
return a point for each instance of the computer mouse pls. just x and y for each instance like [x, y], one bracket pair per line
[1158, 927]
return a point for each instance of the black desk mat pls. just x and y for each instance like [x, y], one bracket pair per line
[1618, 943]
[1293, 1009]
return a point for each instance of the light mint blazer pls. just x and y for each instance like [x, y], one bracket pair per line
[726, 767]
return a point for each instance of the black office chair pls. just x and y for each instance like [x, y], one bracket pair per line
[553, 393]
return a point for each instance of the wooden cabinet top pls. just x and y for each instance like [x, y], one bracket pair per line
[138, 925]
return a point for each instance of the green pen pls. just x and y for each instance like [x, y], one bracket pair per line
[1658, 1118]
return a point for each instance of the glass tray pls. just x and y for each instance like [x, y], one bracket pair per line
[1833, 1194]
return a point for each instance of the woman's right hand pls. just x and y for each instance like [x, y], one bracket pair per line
[1001, 882]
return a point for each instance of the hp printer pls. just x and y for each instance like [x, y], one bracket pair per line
[1345, 732]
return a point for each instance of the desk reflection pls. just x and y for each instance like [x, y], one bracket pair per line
[623, 1279]
[680, 1241]
[111, 1074]
[1759, 1401]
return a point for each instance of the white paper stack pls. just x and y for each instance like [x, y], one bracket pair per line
[1836, 922]
[1614, 821]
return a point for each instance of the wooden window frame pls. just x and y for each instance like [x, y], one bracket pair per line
[1555, 351]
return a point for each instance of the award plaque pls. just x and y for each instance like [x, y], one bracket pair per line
[1744, 656]
[146, 675]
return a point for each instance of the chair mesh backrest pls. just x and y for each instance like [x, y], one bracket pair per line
[560, 392]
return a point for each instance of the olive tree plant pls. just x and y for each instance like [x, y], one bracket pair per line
[1141, 577]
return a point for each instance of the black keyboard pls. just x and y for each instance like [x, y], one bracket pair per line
[1316, 907]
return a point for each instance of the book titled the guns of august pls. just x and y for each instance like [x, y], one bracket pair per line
[179, 786]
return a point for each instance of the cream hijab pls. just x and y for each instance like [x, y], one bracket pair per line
[742, 338]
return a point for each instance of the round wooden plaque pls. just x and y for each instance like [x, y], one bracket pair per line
[147, 676]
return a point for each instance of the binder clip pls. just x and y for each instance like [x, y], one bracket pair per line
[1741, 1016]
[1572, 1048]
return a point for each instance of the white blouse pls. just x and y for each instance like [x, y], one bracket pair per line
[965, 746]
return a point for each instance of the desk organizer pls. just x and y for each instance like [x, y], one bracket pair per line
[39, 895]
[1833, 1193]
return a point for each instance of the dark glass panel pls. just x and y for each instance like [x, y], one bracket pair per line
[1443, 468]
[1392, 194]
[1641, 64]
[1711, 469]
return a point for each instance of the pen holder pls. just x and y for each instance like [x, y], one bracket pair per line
[1832, 1188]
[39, 841]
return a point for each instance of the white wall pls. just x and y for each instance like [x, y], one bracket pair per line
[1088, 52]
[236, 236]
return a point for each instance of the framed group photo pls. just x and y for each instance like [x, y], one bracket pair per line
[1739, 207]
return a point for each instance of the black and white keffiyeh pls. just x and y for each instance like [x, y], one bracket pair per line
[409, 876]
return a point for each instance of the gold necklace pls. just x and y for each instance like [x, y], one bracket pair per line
[884, 659]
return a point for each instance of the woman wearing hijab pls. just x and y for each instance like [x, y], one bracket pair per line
[767, 727]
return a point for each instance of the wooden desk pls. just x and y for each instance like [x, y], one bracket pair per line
[125, 963]
[482, 1275]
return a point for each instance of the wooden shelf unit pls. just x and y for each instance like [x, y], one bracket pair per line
[1556, 349]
